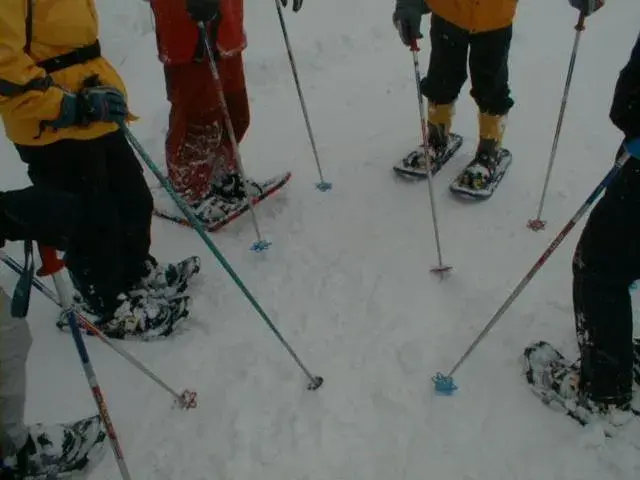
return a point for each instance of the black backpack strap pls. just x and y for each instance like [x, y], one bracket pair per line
[28, 27]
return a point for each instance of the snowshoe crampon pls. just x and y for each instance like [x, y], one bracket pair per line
[414, 165]
[227, 211]
[468, 185]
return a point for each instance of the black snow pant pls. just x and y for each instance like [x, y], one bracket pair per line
[488, 55]
[605, 264]
[108, 255]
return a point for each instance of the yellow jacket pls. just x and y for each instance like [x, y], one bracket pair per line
[476, 16]
[27, 96]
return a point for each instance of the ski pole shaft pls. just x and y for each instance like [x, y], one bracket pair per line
[315, 382]
[47, 292]
[47, 254]
[538, 224]
[425, 143]
[323, 185]
[261, 244]
[544, 257]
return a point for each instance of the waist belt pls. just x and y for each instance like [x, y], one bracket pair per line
[75, 57]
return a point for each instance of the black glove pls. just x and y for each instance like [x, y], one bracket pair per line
[101, 104]
[407, 18]
[94, 104]
[297, 4]
[587, 7]
[203, 10]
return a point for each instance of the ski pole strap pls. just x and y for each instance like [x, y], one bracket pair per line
[22, 292]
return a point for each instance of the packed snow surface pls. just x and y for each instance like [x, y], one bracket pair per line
[347, 277]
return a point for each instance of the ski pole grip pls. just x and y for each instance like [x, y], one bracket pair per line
[51, 264]
[414, 45]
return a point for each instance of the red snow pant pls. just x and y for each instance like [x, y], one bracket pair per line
[198, 147]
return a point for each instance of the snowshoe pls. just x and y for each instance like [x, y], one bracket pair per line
[139, 317]
[231, 188]
[58, 451]
[170, 279]
[482, 175]
[556, 381]
[218, 211]
[164, 280]
[414, 164]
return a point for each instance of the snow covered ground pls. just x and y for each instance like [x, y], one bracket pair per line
[347, 278]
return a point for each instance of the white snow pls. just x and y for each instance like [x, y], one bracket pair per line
[347, 278]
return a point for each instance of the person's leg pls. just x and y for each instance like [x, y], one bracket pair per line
[38, 450]
[134, 202]
[489, 68]
[49, 216]
[15, 341]
[606, 262]
[235, 92]
[200, 156]
[227, 182]
[445, 77]
[196, 129]
[94, 256]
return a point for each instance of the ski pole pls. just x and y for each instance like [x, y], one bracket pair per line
[52, 266]
[323, 185]
[260, 244]
[314, 381]
[441, 268]
[444, 384]
[185, 400]
[537, 224]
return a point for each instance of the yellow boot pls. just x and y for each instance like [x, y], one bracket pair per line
[480, 178]
[442, 144]
[491, 131]
[439, 118]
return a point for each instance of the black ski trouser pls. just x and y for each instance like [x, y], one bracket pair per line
[605, 264]
[108, 254]
[488, 56]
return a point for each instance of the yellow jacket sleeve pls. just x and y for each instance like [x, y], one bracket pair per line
[26, 91]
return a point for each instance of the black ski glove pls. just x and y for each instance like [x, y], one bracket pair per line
[203, 10]
[93, 104]
[407, 18]
[587, 7]
[297, 4]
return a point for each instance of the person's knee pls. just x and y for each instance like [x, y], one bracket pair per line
[442, 90]
[595, 267]
[493, 101]
[45, 215]
[586, 264]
